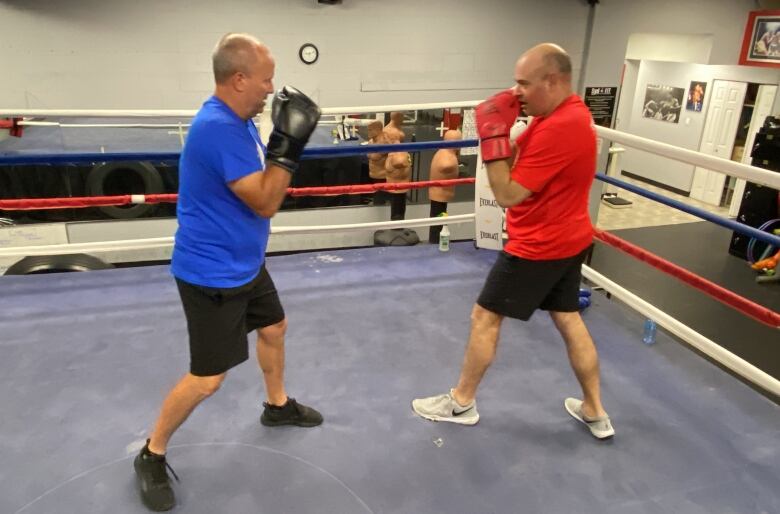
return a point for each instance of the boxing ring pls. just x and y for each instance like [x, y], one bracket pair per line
[88, 356]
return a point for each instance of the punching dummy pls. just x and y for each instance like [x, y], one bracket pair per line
[399, 169]
[444, 166]
[393, 129]
[376, 161]
[398, 166]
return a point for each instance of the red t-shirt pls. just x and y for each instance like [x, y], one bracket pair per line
[556, 160]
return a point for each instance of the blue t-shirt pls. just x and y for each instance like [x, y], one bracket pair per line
[220, 241]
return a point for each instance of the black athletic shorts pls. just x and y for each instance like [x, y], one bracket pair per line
[219, 319]
[516, 287]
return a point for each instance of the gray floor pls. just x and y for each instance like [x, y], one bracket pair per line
[701, 248]
[85, 359]
[645, 212]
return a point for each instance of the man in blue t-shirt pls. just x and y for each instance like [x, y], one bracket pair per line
[230, 187]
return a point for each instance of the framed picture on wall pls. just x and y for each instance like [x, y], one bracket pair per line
[761, 44]
[663, 103]
[696, 96]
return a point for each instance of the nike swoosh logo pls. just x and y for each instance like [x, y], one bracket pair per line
[456, 414]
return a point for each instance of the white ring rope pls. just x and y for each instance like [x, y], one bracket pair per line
[337, 120]
[360, 122]
[684, 332]
[674, 326]
[100, 125]
[189, 113]
[97, 113]
[421, 222]
[167, 242]
[735, 169]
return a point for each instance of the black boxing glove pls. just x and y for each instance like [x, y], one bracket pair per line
[295, 117]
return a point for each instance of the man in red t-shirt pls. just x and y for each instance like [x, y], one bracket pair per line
[545, 191]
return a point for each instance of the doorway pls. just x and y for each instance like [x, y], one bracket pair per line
[736, 112]
[764, 98]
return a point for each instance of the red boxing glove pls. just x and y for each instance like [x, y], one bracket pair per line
[495, 117]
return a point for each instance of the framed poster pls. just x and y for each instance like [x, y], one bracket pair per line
[601, 102]
[663, 103]
[696, 96]
[761, 43]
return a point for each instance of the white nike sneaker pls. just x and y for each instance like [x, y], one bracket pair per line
[444, 408]
[600, 427]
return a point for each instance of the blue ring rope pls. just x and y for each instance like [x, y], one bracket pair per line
[714, 218]
[318, 152]
[312, 152]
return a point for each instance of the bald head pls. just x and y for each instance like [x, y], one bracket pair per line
[549, 58]
[543, 77]
[236, 53]
[244, 72]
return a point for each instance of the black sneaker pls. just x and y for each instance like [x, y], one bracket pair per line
[153, 482]
[291, 413]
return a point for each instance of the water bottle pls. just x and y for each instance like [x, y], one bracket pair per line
[649, 335]
[444, 239]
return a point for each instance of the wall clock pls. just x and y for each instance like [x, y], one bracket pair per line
[309, 53]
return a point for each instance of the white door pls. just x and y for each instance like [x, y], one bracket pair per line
[763, 108]
[720, 129]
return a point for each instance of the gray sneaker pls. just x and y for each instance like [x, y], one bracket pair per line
[444, 408]
[600, 427]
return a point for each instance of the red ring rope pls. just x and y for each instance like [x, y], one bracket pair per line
[719, 293]
[103, 201]
[370, 188]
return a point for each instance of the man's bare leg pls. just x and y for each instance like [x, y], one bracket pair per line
[270, 357]
[190, 391]
[480, 352]
[584, 359]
